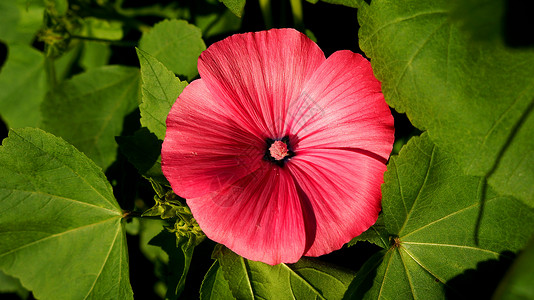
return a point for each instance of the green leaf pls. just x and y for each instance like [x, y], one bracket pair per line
[143, 151]
[475, 99]
[60, 225]
[22, 86]
[214, 21]
[57, 7]
[214, 286]
[150, 228]
[10, 284]
[482, 20]
[349, 3]
[376, 234]
[88, 110]
[307, 279]
[160, 89]
[175, 43]
[433, 209]
[235, 6]
[518, 281]
[94, 55]
[101, 29]
[20, 20]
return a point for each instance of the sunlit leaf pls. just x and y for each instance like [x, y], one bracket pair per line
[433, 209]
[60, 225]
[475, 99]
[160, 88]
[94, 54]
[88, 110]
[101, 29]
[21, 19]
[176, 44]
[307, 279]
[22, 86]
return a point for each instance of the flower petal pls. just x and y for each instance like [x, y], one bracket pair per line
[204, 148]
[343, 189]
[260, 217]
[257, 74]
[341, 107]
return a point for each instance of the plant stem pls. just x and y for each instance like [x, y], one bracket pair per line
[50, 69]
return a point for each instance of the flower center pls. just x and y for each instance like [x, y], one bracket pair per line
[278, 150]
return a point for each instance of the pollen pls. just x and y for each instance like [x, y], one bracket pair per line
[278, 150]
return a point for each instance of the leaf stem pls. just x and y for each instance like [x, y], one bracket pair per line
[50, 70]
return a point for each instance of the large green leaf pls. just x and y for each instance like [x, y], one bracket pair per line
[160, 88]
[60, 225]
[433, 209]
[307, 279]
[20, 20]
[22, 86]
[88, 110]
[177, 44]
[475, 99]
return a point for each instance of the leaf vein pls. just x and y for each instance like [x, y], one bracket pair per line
[104, 263]
[419, 192]
[69, 167]
[56, 235]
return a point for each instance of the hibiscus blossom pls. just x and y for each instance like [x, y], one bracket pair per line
[279, 151]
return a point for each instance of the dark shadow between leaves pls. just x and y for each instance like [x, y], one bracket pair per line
[479, 283]
[179, 259]
[364, 277]
[518, 21]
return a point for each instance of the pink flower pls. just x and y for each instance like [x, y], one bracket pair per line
[279, 151]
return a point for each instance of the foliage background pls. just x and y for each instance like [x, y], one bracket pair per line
[490, 84]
